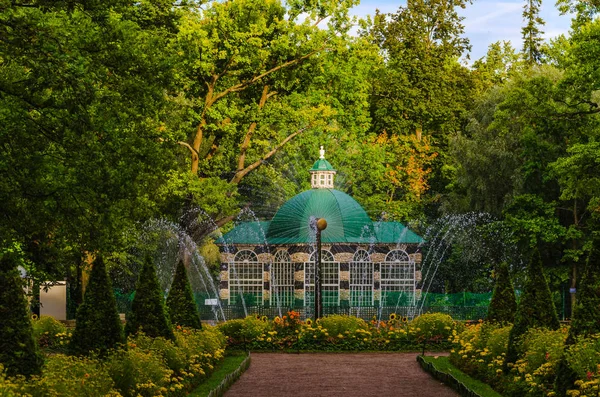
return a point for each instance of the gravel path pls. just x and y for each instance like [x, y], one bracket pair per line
[344, 375]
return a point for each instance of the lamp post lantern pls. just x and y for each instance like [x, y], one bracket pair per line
[321, 225]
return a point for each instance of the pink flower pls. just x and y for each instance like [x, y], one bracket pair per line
[589, 375]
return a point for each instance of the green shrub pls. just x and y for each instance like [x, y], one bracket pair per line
[148, 313]
[497, 341]
[208, 339]
[542, 346]
[503, 304]
[136, 372]
[232, 329]
[173, 357]
[180, 302]
[98, 327]
[242, 332]
[434, 327]
[50, 334]
[337, 324]
[74, 376]
[13, 386]
[583, 356]
[18, 350]
[535, 310]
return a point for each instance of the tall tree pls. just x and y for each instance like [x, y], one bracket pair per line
[254, 80]
[531, 32]
[421, 43]
[82, 96]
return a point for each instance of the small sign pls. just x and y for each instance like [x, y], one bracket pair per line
[211, 302]
[572, 290]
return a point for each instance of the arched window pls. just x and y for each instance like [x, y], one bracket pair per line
[330, 283]
[397, 279]
[282, 280]
[246, 279]
[361, 279]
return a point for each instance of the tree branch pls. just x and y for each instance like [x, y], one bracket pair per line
[246, 143]
[243, 85]
[242, 173]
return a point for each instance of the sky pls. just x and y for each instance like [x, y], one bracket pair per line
[487, 21]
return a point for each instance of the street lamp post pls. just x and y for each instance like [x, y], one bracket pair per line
[321, 225]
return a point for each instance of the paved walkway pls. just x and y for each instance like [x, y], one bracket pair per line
[343, 375]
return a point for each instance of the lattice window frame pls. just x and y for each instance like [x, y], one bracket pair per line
[282, 280]
[397, 275]
[361, 279]
[245, 277]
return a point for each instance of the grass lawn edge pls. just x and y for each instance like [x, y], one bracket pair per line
[441, 369]
[229, 371]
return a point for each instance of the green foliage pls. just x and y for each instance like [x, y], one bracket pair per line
[51, 334]
[138, 371]
[148, 312]
[74, 376]
[84, 102]
[339, 324]
[244, 330]
[582, 356]
[535, 310]
[480, 351]
[98, 327]
[18, 350]
[180, 302]
[148, 367]
[503, 305]
[585, 315]
[431, 327]
[585, 320]
[533, 220]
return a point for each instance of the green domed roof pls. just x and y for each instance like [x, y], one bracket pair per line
[322, 165]
[346, 220]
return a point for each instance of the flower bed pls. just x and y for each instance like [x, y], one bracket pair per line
[480, 350]
[145, 367]
[340, 333]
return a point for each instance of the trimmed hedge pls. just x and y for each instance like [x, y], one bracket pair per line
[98, 327]
[180, 302]
[148, 312]
[503, 305]
[18, 350]
[535, 310]
[585, 320]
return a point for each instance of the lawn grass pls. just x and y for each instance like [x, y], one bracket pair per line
[442, 364]
[230, 363]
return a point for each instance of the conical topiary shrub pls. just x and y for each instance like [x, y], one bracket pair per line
[98, 327]
[535, 309]
[148, 313]
[585, 320]
[503, 304]
[180, 303]
[18, 351]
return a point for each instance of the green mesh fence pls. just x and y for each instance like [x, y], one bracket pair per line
[461, 306]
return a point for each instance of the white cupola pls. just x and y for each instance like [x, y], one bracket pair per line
[322, 173]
